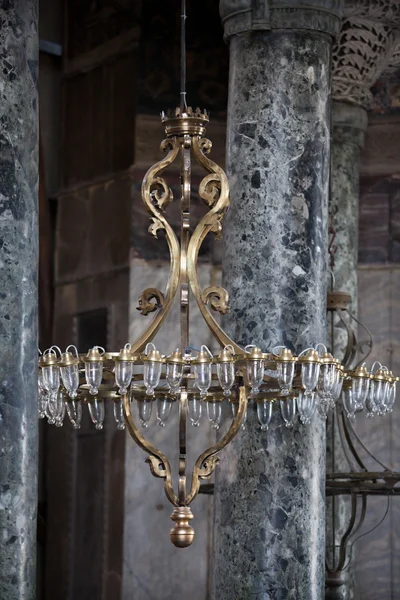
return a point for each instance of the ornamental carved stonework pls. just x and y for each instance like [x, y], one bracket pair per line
[368, 43]
[394, 63]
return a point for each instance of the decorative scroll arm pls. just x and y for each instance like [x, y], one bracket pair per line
[218, 298]
[206, 463]
[158, 462]
[145, 304]
[156, 196]
[211, 222]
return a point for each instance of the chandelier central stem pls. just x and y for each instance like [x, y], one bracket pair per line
[186, 144]
[183, 102]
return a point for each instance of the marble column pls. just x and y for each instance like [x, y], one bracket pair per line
[18, 298]
[349, 125]
[270, 487]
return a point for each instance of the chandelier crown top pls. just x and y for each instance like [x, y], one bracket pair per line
[185, 121]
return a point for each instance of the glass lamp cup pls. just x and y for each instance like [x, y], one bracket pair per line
[55, 406]
[119, 417]
[174, 376]
[391, 398]
[195, 410]
[74, 412]
[94, 376]
[96, 411]
[378, 390]
[349, 403]
[327, 378]
[324, 403]
[123, 375]
[370, 405]
[151, 376]
[42, 397]
[51, 378]
[285, 372]
[50, 419]
[94, 369]
[42, 402]
[226, 376]
[338, 385]
[385, 397]
[254, 368]
[70, 379]
[309, 376]
[59, 420]
[214, 413]
[255, 374]
[202, 375]
[152, 369]
[145, 408]
[264, 414]
[164, 408]
[306, 405]
[288, 411]
[360, 389]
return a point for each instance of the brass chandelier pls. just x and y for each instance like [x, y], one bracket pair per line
[303, 385]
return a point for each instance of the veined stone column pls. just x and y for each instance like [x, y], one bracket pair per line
[18, 298]
[270, 488]
[349, 125]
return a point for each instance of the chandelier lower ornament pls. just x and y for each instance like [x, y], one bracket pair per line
[299, 385]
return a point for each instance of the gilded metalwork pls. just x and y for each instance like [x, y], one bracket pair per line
[156, 196]
[158, 462]
[185, 131]
[145, 304]
[218, 298]
[206, 463]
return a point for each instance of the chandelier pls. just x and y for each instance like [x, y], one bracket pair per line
[357, 482]
[138, 377]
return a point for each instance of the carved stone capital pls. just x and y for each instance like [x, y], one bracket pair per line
[394, 62]
[239, 16]
[379, 11]
[367, 44]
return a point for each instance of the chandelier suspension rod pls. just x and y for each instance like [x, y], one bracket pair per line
[183, 100]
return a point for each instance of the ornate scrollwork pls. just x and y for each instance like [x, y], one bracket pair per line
[218, 298]
[210, 189]
[146, 305]
[208, 467]
[158, 462]
[155, 226]
[211, 222]
[205, 465]
[156, 201]
[162, 194]
[157, 467]
[365, 46]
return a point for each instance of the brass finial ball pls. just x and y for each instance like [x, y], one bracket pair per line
[182, 535]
